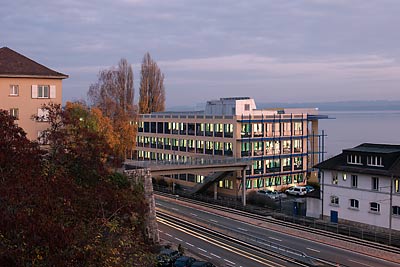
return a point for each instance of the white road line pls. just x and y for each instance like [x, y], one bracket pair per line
[275, 239]
[160, 231]
[361, 263]
[195, 215]
[202, 249]
[178, 239]
[168, 234]
[158, 204]
[313, 250]
[175, 209]
[229, 262]
[213, 220]
[204, 255]
[190, 244]
[212, 254]
[242, 229]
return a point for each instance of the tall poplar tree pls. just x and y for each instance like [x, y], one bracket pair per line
[152, 91]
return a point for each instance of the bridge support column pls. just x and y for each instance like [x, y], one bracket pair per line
[215, 190]
[244, 188]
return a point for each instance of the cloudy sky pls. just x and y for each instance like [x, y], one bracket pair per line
[272, 50]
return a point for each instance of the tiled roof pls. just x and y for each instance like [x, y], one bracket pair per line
[13, 64]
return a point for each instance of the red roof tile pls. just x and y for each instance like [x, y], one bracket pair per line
[13, 64]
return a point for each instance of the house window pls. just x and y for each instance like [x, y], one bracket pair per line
[396, 210]
[43, 91]
[354, 181]
[344, 176]
[14, 90]
[14, 112]
[354, 159]
[375, 183]
[43, 115]
[334, 201]
[374, 207]
[374, 161]
[354, 203]
[334, 178]
[247, 107]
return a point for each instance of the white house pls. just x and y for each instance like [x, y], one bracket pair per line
[362, 185]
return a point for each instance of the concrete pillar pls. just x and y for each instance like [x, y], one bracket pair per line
[244, 188]
[215, 190]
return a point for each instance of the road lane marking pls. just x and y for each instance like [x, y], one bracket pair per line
[175, 209]
[212, 254]
[204, 255]
[195, 215]
[242, 229]
[229, 261]
[276, 239]
[160, 231]
[168, 234]
[213, 220]
[202, 250]
[190, 244]
[180, 240]
[158, 204]
[361, 263]
[313, 250]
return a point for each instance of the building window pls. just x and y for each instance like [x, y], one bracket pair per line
[396, 185]
[396, 210]
[374, 207]
[14, 112]
[334, 178]
[354, 181]
[14, 90]
[43, 91]
[334, 201]
[354, 204]
[375, 183]
[247, 107]
[354, 159]
[374, 161]
[344, 176]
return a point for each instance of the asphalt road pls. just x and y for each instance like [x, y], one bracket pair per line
[258, 234]
[211, 249]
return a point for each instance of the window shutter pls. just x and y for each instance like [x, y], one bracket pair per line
[34, 91]
[52, 91]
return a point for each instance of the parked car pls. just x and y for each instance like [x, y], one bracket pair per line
[309, 188]
[167, 257]
[202, 264]
[184, 261]
[296, 190]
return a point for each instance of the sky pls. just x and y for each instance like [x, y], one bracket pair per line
[272, 50]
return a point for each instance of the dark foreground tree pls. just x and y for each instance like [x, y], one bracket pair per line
[152, 91]
[68, 217]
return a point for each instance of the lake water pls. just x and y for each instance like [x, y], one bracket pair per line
[351, 128]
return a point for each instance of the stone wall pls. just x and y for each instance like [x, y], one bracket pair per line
[144, 176]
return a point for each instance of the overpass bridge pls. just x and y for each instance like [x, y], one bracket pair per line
[219, 168]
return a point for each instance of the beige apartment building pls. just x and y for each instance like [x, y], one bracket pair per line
[25, 86]
[280, 144]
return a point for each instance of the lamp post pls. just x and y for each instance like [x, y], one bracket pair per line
[390, 210]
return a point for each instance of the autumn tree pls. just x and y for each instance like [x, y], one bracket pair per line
[113, 95]
[80, 213]
[152, 91]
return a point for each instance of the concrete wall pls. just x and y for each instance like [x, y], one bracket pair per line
[144, 176]
[313, 207]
